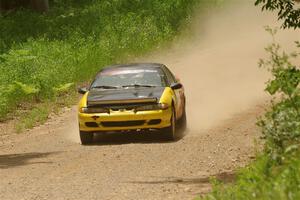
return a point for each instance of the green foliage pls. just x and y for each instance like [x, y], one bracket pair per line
[42, 56]
[281, 125]
[63, 88]
[263, 180]
[286, 9]
[38, 115]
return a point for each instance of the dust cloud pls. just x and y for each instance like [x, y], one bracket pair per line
[218, 65]
[73, 133]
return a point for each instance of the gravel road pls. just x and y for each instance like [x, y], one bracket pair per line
[47, 163]
[224, 89]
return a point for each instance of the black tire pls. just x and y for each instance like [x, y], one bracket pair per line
[182, 122]
[170, 132]
[86, 137]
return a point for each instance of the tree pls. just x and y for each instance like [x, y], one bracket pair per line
[287, 11]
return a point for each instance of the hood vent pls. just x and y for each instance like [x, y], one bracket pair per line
[123, 101]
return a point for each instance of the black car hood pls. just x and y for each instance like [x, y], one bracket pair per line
[129, 95]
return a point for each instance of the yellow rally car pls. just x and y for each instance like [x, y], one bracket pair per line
[143, 96]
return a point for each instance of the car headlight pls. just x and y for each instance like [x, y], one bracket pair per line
[94, 110]
[159, 106]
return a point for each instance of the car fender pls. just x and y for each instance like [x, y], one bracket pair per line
[168, 97]
[83, 101]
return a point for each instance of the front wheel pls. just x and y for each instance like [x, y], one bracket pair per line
[182, 122]
[86, 137]
[170, 132]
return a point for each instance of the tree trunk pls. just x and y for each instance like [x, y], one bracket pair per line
[37, 5]
[40, 5]
[1, 7]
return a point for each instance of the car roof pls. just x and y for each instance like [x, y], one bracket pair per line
[133, 66]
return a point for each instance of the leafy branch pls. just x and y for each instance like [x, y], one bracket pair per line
[286, 11]
[281, 125]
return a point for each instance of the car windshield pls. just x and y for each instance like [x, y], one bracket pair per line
[129, 77]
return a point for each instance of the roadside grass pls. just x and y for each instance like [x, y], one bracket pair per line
[43, 57]
[263, 179]
[39, 113]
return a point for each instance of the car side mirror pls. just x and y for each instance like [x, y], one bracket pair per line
[176, 86]
[82, 90]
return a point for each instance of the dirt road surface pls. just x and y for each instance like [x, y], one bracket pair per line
[225, 95]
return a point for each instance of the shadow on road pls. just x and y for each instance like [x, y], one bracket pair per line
[225, 177]
[142, 137]
[15, 160]
[128, 137]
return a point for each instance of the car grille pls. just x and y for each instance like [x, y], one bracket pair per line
[91, 124]
[123, 123]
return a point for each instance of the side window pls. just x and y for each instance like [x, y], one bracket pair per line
[163, 77]
[171, 77]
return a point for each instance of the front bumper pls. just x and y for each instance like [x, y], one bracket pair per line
[124, 120]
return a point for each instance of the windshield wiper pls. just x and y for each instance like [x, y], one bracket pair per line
[138, 85]
[105, 87]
